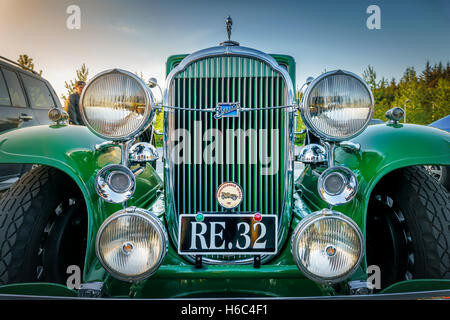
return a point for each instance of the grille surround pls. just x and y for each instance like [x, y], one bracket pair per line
[288, 127]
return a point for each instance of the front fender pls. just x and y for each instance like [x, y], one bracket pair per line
[67, 148]
[384, 148]
[71, 149]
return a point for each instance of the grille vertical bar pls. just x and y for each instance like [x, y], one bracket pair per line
[253, 84]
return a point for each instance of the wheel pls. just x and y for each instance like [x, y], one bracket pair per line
[42, 228]
[441, 174]
[408, 227]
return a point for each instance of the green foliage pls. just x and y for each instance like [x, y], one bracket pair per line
[424, 97]
[159, 116]
[299, 125]
[27, 62]
[82, 75]
[370, 76]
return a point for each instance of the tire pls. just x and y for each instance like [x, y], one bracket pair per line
[42, 228]
[408, 227]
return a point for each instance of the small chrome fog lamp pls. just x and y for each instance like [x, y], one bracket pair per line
[395, 114]
[57, 115]
[313, 153]
[337, 185]
[131, 244]
[327, 246]
[115, 183]
[142, 152]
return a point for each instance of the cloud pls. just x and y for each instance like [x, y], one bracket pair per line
[125, 29]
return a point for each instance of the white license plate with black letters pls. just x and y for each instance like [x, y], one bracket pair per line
[232, 233]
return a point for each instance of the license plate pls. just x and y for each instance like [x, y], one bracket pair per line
[218, 233]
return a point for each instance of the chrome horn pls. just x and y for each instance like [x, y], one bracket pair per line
[312, 153]
[142, 152]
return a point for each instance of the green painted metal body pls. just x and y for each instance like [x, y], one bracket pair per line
[71, 149]
[38, 289]
[384, 148]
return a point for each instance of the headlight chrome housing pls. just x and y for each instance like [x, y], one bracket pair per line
[337, 105]
[337, 185]
[327, 246]
[116, 105]
[131, 244]
[115, 183]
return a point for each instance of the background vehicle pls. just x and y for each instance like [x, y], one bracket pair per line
[25, 98]
[441, 173]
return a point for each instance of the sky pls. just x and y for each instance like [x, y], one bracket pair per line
[138, 36]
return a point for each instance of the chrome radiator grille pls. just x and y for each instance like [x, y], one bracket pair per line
[202, 85]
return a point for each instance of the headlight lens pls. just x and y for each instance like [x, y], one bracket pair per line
[131, 244]
[116, 105]
[115, 183]
[327, 246]
[337, 185]
[337, 105]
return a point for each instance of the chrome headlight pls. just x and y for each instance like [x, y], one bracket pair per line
[131, 244]
[337, 185]
[116, 105]
[337, 105]
[327, 246]
[115, 183]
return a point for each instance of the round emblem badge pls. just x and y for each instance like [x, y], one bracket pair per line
[229, 195]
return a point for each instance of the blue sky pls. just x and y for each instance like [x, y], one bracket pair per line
[140, 35]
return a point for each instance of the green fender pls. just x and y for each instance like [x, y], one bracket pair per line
[38, 289]
[384, 148]
[71, 149]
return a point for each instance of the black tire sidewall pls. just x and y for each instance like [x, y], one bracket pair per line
[424, 205]
[37, 195]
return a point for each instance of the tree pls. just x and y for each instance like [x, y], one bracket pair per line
[370, 76]
[27, 62]
[441, 100]
[82, 75]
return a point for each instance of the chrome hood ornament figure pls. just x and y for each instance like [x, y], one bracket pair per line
[229, 42]
[229, 23]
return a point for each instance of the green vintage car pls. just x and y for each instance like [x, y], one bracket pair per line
[231, 217]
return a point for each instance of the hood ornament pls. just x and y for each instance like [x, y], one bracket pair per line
[229, 42]
[229, 23]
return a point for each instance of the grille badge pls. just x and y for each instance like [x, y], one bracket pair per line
[227, 110]
[229, 195]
